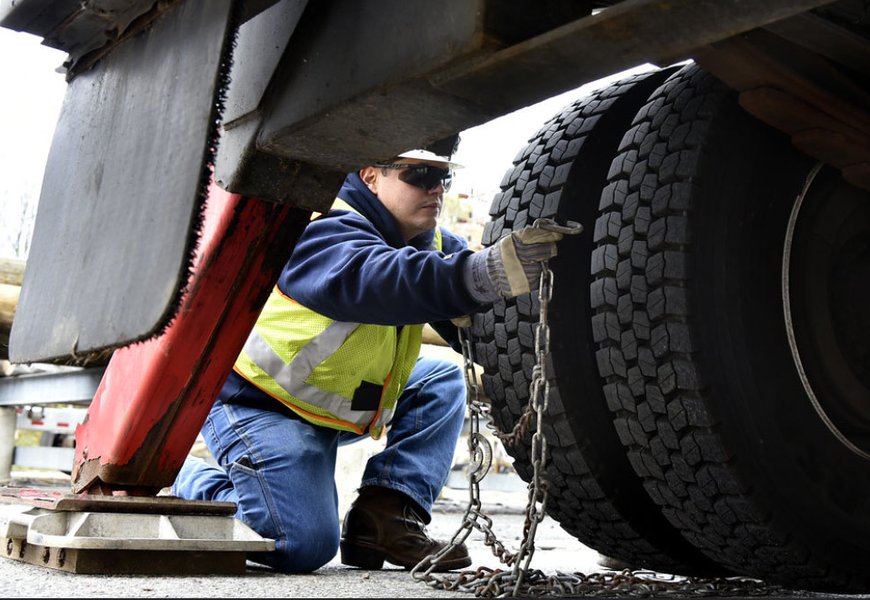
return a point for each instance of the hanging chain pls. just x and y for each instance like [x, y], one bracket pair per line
[520, 579]
[483, 581]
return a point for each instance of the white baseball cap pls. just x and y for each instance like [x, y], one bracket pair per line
[431, 157]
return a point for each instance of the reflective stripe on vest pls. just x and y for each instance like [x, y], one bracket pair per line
[315, 366]
[292, 376]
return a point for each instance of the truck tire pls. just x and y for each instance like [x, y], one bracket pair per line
[593, 492]
[732, 292]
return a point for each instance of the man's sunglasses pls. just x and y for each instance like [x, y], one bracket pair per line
[427, 177]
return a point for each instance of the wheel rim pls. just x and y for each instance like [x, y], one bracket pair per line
[826, 303]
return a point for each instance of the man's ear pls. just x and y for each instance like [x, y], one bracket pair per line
[369, 175]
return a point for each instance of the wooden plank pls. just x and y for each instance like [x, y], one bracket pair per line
[813, 130]
[826, 38]
[8, 302]
[11, 271]
[786, 112]
[760, 59]
[836, 148]
[785, 85]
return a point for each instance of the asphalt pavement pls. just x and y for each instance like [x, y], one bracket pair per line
[554, 549]
[557, 554]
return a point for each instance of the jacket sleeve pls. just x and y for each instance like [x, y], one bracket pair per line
[343, 268]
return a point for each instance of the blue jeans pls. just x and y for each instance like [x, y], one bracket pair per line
[280, 470]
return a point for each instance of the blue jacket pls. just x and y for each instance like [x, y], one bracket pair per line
[350, 268]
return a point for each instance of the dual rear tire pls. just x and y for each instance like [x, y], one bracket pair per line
[709, 369]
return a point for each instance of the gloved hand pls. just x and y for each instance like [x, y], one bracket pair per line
[512, 266]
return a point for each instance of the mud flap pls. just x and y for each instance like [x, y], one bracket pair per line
[123, 189]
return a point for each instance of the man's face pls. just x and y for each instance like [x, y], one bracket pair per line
[414, 208]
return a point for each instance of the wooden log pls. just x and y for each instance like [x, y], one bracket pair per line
[11, 278]
[11, 271]
[8, 302]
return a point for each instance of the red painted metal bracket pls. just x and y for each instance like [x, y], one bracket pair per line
[155, 395]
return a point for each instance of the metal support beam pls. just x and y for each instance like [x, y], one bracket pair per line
[75, 386]
[44, 457]
[622, 36]
[337, 79]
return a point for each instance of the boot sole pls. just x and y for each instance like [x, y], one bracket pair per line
[371, 556]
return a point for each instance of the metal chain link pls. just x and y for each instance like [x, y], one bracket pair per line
[483, 581]
[521, 580]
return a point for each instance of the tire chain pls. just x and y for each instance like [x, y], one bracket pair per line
[521, 580]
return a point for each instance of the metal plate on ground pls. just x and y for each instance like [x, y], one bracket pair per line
[123, 189]
[56, 499]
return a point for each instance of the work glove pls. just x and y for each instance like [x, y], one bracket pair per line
[512, 266]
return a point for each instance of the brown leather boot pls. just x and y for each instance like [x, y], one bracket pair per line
[385, 525]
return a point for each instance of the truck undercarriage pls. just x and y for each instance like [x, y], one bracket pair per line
[708, 369]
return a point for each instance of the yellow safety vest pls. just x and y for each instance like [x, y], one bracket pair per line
[345, 376]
